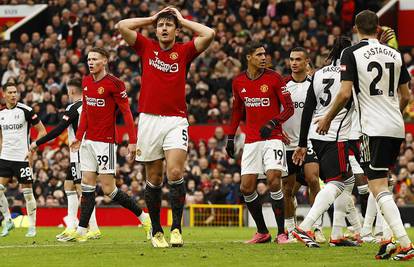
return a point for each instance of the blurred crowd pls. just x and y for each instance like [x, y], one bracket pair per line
[43, 61]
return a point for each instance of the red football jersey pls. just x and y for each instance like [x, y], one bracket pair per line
[98, 117]
[163, 76]
[262, 99]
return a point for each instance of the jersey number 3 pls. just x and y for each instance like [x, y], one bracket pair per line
[329, 83]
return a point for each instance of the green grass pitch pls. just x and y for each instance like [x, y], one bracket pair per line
[220, 246]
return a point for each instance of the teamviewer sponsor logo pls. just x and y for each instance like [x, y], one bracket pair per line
[256, 102]
[95, 102]
[162, 66]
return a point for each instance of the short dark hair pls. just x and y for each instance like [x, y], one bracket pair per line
[100, 51]
[167, 15]
[251, 47]
[9, 84]
[75, 82]
[300, 49]
[367, 22]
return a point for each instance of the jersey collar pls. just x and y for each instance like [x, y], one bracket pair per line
[12, 107]
[371, 40]
[304, 80]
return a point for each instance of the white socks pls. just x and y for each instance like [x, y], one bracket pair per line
[73, 204]
[319, 222]
[4, 204]
[370, 215]
[143, 216]
[351, 211]
[339, 216]
[290, 224]
[30, 206]
[93, 224]
[392, 216]
[323, 201]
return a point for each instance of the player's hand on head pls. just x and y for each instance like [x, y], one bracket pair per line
[298, 156]
[176, 12]
[155, 16]
[75, 145]
[132, 151]
[230, 146]
[267, 129]
[386, 35]
[323, 125]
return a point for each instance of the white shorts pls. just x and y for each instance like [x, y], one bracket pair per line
[356, 168]
[261, 156]
[157, 134]
[99, 157]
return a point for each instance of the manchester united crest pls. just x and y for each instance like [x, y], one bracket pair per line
[174, 55]
[138, 152]
[101, 90]
[264, 88]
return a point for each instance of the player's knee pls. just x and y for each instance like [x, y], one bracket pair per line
[175, 174]
[312, 180]
[247, 189]
[274, 184]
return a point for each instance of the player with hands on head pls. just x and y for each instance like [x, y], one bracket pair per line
[163, 125]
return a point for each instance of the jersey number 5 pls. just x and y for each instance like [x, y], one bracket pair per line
[373, 86]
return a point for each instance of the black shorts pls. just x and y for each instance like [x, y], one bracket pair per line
[19, 169]
[299, 170]
[75, 174]
[354, 146]
[333, 159]
[383, 153]
[364, 152]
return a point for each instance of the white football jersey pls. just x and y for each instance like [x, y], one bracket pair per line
[376, 71]
[15, 130]
[73, 112]
[326, 84]
[298, 91]
[355, 125]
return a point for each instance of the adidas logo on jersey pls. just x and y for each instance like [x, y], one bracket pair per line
[85, 88]
[243, 90]
[156, 53]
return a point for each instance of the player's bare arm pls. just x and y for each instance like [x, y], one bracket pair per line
[128, 27]
[205, 34]
[41, 130]
[339, 103]
[404, 95]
